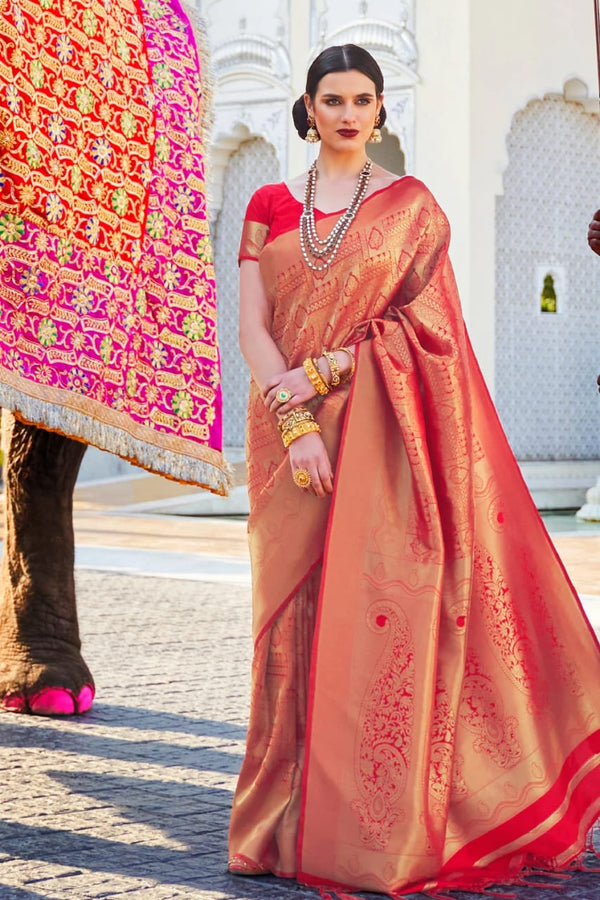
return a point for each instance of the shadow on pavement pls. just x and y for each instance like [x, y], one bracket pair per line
[15, 733]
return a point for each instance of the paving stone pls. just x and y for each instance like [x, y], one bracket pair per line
[132, 800]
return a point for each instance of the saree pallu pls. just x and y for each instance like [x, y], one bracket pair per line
[448, 731]
[107, 294]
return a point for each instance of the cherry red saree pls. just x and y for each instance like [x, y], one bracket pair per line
[439, 726]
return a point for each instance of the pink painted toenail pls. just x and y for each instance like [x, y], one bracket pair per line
[14, 703]
[85, 698]
[52, 702]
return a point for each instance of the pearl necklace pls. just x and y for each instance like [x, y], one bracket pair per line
[326, 249]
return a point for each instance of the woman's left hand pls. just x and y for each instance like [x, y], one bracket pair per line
[296, 382]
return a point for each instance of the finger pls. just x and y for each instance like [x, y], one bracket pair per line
[326, 477]
[597, 215]
[316, 486]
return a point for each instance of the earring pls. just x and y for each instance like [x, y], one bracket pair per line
[375, 136]
[312, 135]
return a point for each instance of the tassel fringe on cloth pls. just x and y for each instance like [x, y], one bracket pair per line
[107, 293]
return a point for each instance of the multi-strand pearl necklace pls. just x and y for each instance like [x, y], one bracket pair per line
[325, 249]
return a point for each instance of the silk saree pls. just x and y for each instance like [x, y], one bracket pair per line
[425, 705]
[107, 290]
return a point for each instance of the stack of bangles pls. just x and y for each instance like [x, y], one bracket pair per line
[317, 379]
[300, 420]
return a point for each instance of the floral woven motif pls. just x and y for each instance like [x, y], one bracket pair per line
[107, 293]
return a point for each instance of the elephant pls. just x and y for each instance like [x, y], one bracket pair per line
[107, 297]
[42, 670]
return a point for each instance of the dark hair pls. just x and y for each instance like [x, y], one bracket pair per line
[342, 58]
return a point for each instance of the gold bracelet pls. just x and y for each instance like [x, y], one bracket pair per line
[314, 376]
[333, 368]
[298, 414]
[350, 354]
[296, 431]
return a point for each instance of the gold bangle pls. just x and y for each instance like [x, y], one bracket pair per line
[350, 354]
[296, 431]
[333, 368]
[298, 414]
[314, 376]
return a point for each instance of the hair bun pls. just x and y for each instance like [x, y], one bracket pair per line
[300, 117]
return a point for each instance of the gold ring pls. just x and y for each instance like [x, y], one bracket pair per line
[283, 395]
[302, 478]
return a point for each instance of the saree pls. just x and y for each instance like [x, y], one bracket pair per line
[107, 290]
[424, 711]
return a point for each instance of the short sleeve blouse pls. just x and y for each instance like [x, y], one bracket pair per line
[272, 210]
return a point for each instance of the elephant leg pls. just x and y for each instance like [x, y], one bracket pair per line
[41, 667]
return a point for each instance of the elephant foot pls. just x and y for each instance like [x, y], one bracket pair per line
[43, 683]
[50, 701]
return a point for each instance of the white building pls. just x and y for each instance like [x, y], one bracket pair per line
[493, 106]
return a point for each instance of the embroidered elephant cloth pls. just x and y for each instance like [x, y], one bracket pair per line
[107, 291]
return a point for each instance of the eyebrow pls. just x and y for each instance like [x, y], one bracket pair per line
[338, 96]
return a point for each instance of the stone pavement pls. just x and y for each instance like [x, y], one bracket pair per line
[132, 800]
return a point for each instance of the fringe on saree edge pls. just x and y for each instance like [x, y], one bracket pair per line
[213, 472]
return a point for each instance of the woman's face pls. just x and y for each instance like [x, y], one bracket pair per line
[345, 107]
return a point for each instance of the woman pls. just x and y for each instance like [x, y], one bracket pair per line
[424, 704]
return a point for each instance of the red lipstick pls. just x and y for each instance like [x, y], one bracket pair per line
[348, 132]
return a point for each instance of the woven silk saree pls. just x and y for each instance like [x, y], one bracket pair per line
[425, 707]
[107, 295]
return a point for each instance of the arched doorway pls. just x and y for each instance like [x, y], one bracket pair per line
[548, 283]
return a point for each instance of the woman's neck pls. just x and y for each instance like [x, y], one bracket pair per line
[334, 166]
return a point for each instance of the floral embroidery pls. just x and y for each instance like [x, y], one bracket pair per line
[158, 356]
[76, 179]
[12, 228]
[47, 332]
[54, 208]
[106, 349]
[184, 200]
[36, 73]
[162, 148]
[162, 75]
[106, 74]
[183, 405]
[141, 303]
[92, 230]
[120, 201]
[85, 100]
[155, 225]
[83, 300]
[194, 326]
[12, 98]
[204, 249]
[89, 22]
[171, 276]
[123, 49]
[78, 381]
[128, 124]
[64, 48]
[64, 250]
[131, 383]
[33, 155]
[56, 128]
[31, 281]
[102, 151]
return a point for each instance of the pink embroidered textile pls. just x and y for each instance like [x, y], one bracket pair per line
[107, 292]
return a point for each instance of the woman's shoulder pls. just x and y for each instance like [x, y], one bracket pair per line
[265, 199]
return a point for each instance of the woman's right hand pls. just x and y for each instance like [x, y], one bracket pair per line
[295, 381]
[309, 452]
